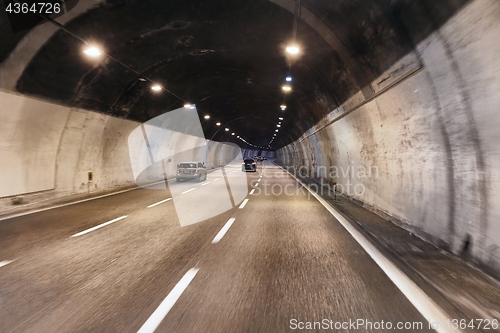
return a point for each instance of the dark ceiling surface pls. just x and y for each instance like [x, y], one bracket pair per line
[227, 57]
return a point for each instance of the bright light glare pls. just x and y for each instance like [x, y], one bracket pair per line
[207, 117]
[156, 87]
[226, 129]
[287, 88]
[276, 131]
[288, 79]
[92, 51]
[283, 106]
[278, 125]
[218, 124]
[292, 49]
[232, 133]
[280, 118]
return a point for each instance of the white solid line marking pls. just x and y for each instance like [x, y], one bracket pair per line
[160, 313]
[256, 184]
[194, 188]
[99, 226]
[251, 192]
[216, 179]
[420, 300]
[223, 231]
[159, 203]
[244, 203]
[205, 183]
[5, 262]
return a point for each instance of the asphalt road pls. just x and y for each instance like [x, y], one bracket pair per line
[281, 261]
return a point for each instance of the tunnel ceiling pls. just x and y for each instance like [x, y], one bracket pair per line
[227, 57]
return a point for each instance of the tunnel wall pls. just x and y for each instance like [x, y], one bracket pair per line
[425, 151]
[47, 151]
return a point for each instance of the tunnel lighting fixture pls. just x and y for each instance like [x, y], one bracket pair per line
[92, 51]
[226, 129]
[238, 136]
[276, 131]
[218, 124]
[156, 87]
[207, 117]
[142, 79]
[288, 79]
[232, 133]
[279, 122]
[278, 125]
[283, 106]
[280, 118]
[292, 49]
[286, 88]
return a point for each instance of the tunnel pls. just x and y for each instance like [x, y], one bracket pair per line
[250, 166]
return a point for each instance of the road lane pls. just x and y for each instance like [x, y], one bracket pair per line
[285, 257]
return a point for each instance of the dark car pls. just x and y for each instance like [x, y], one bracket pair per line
[191, 170]
[248, 165]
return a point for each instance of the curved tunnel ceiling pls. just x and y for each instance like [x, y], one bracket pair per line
[228, 58]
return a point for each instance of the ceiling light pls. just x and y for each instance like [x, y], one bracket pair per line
[92, 51]
[207, 117]
[156, 87]
[276, 131]
[287, 88]
[283, 106]
[232, 133]
[278, 125]
[292, 49]
[280, 118]
[218, 124]
[288, 79]
[142, 79]
[226, 129]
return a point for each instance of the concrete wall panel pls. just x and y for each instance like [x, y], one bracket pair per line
[431, 140]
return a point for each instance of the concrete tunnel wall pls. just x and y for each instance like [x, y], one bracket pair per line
[425, 152]
[47, 151]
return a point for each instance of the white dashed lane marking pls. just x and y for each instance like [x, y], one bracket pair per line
[99, 226]
[157, 317]
[159, 203]
[243, 203]
[223, 231]
[192, 189]
[5, 262]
